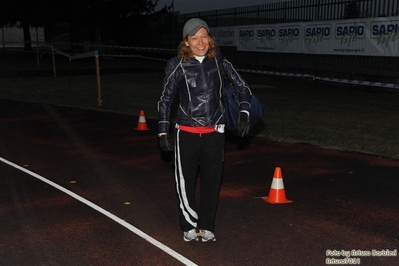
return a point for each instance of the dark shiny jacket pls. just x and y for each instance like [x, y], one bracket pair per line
[200, 90]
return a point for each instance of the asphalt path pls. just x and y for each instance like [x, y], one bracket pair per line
[83, 187]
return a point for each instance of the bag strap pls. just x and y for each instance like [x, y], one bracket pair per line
[219, 59]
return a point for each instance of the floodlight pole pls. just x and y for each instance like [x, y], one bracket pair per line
[37, 48]
[99, 101]
[173, 23]
[4, 41]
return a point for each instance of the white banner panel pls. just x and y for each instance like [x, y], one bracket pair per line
[384, 34]
[14, 36]
[290, 38]
[225, 36]
[266, 38]
[246, 38]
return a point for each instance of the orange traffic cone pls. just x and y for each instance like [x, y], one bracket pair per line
[277, 192]
[142, 124]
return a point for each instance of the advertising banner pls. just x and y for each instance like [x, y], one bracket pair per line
[269, 38]
[371, 37]
[368, 37]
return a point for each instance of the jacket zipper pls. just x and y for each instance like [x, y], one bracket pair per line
[206, 87]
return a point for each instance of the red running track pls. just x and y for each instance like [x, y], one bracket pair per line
[342, 201]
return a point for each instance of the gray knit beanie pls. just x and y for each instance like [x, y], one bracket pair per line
[193, 25]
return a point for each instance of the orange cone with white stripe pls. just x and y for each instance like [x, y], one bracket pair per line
[142, 124]
[277, 191]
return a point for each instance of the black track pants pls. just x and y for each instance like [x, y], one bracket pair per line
[205, 153]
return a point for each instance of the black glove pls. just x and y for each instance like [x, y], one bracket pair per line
[243, 124]
[164, 142]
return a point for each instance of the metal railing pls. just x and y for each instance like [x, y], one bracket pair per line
[299, 10]
[166, 30]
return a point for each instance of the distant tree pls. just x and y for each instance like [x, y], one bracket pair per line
[352, 10]
[111, 19]
[90, 13]
[28, 14]
[5, 15]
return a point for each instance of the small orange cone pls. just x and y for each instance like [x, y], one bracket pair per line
[142, 124]
[277, 192]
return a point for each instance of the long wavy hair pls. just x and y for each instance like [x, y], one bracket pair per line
[185, 52]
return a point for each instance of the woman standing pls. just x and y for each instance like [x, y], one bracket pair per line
[199, 132]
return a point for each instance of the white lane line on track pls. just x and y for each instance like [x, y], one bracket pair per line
[138, 232]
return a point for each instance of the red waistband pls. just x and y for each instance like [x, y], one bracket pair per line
[197, 130]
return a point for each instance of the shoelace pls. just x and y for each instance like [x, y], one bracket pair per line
[191, 233]
[207, 234]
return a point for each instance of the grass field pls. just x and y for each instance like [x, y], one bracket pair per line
[360, 119]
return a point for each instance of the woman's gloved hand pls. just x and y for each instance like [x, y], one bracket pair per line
[243, 124]
[164, 143]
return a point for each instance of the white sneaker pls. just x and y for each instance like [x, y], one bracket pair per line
[190, 235]
[207, 235]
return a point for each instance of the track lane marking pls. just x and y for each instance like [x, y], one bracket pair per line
[130, 227]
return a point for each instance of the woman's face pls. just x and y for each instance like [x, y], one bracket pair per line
[199, 43]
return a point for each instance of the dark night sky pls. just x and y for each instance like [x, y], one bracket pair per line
[189, 6]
